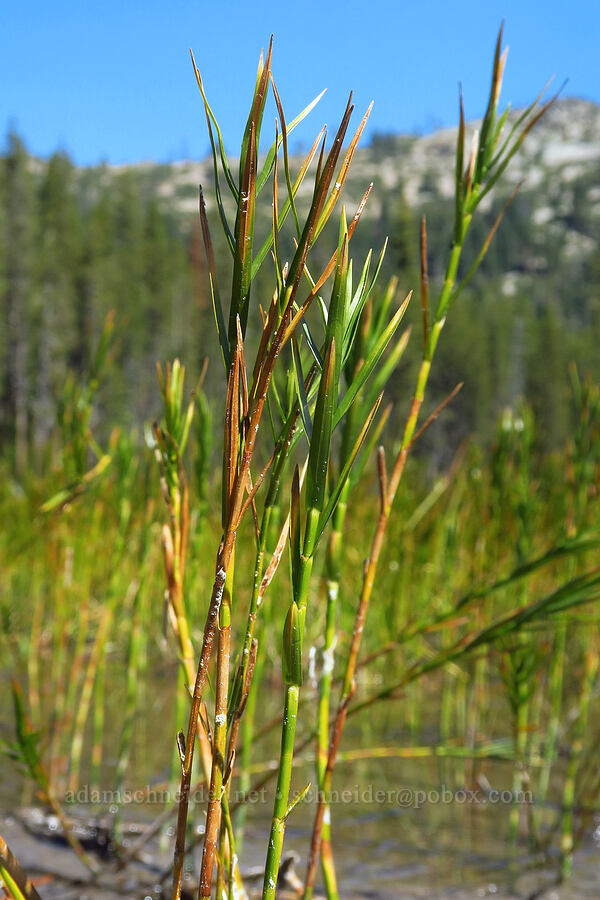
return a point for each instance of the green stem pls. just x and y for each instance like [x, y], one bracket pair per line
[379, 536]
[16, 882]
[333, 569]
[520, 775]
[269, 514]
[282, 792]
[591, 661]
[557, 667]
[247, 738]
[83, 707]
[98, 722]
[290, 714]
[130, 700]
[33, 669]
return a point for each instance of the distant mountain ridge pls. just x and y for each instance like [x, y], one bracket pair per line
[562, 149]
[80, 241]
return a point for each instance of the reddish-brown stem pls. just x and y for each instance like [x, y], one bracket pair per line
[235, 725]
[234, 508]
[213, 814]
[205, 655]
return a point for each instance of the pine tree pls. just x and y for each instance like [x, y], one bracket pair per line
[547, 379]
[59, 302]
[16, 296]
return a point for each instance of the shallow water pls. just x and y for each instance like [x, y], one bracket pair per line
[403, 828]
[379, 862]
[446, 845]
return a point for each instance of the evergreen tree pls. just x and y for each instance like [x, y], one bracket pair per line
[547, 379]
[404, 243]
[16, 297]
[59, 302]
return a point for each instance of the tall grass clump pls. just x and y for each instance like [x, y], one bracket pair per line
[249, 391]
[305, 370]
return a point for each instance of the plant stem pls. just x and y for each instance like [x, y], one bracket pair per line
[591, 661]
[387, 499]
[282, 792]
[213, 814]
[86, 693]
[290, 713]
[200, 682]
[333, 569]
[556, 678]
[16, 882]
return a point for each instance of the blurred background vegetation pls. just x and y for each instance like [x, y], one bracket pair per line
[103, 273]
[79, 242]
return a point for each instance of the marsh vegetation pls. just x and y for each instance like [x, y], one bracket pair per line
[272, 590]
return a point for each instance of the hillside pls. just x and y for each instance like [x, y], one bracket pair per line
[559, 166]
[82, 241]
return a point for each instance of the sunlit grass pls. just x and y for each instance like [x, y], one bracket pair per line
[128, 557]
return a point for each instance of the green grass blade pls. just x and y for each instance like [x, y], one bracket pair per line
[318, 458]
[514, 149]
[371, 361]
[389, 365]
[361, 296]
[339, 183]
[459, 174]
[256, 112]
[286, 161]
[490, 113]
[345, 473]
[214, 289]
[269, 162]
[244, 236]
[583, 544]
[295, 527]
[211, 117]
[267, 243]
[517, 124]
[300, 389]
[485, 247]
[383, 306]
[369, 445]
[312, 345]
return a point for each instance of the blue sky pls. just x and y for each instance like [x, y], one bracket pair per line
[112, 80]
